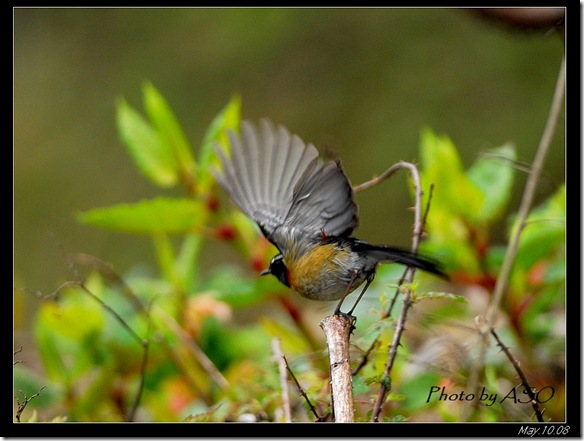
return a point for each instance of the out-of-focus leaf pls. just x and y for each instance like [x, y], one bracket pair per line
[544, 231]
[46, 343]
[453, 191]
[227, 119]
[493, 175]
[418, 391]
[154, 158]
[432, 295]
[217, 341]
[153, 216]
[30, 383]
[186, 265]
[68, 335]
[455, 220]
[73, 319]
[169, 130]
[237, 290]
[164, 255]
[291, 341]
[455, 255]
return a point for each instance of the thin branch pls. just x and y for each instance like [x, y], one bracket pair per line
[524, 209]
[146, 347]
[199, 354]
[102, 303]
[373, 182]
[529, 192]
[302, 393]
[482, 324]
[367, 354]
[22, 406]
[407, 302]
[14, 353]
[279, 357]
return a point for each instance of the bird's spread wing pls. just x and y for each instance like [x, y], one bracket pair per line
[282, 184]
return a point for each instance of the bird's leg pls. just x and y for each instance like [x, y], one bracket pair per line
[346, 293]
[370, 278]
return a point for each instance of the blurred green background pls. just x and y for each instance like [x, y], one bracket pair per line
[362, 82]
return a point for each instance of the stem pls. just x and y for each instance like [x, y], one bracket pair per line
[337, 328]
[408, 302]
[279, 357]
[524, 208]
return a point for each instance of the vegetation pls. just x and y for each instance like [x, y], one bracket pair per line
[191, 344]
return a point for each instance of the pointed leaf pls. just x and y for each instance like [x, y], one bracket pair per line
[227, 119]
[545, 230]
[152, 156]
[186, 265]
[169, 130]
[442, 167]
[493, 175]
[160, 215]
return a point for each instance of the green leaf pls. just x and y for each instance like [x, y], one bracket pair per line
[164, 255]
[455, 206]
[169, 131]
[46, 341]
[453, 191]
[227, 119]
[235, 289]
[160, 215]
[493, 175]
[187, 262]
[68, 335]
[545, 230]
[154, 158]
[28, 382]
[417, 390]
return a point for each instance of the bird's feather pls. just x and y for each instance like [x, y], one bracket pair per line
[280, 182]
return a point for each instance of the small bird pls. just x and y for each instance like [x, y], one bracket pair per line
[305, 207]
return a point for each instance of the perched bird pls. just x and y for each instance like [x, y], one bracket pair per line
[305, 207]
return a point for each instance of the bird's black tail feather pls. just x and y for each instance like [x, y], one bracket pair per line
[390, 254]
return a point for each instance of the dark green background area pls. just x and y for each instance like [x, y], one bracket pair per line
[362, 82]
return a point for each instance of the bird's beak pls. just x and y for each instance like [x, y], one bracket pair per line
[266, 272]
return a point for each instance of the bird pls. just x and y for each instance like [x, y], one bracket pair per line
[305, 206]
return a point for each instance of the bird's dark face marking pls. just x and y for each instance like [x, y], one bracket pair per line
[278, 269]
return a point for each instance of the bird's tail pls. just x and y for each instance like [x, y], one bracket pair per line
[390, 254]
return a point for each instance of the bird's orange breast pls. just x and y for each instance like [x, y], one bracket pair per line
[319, 273]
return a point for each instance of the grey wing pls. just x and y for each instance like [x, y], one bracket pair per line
[280, 183]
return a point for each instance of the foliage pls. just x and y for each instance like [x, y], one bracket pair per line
[188, 343]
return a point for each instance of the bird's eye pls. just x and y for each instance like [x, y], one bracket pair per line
[278, 269]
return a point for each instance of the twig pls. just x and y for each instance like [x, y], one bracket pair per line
[14, 353]
[146, 348]
[482, 323]
[302, 393]
[199, 354]
[524, 208]
[279, 356]
[407, 302]
[22, 406]
[365, 357]
[528, 194]
[102, 303]
[373, 182]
